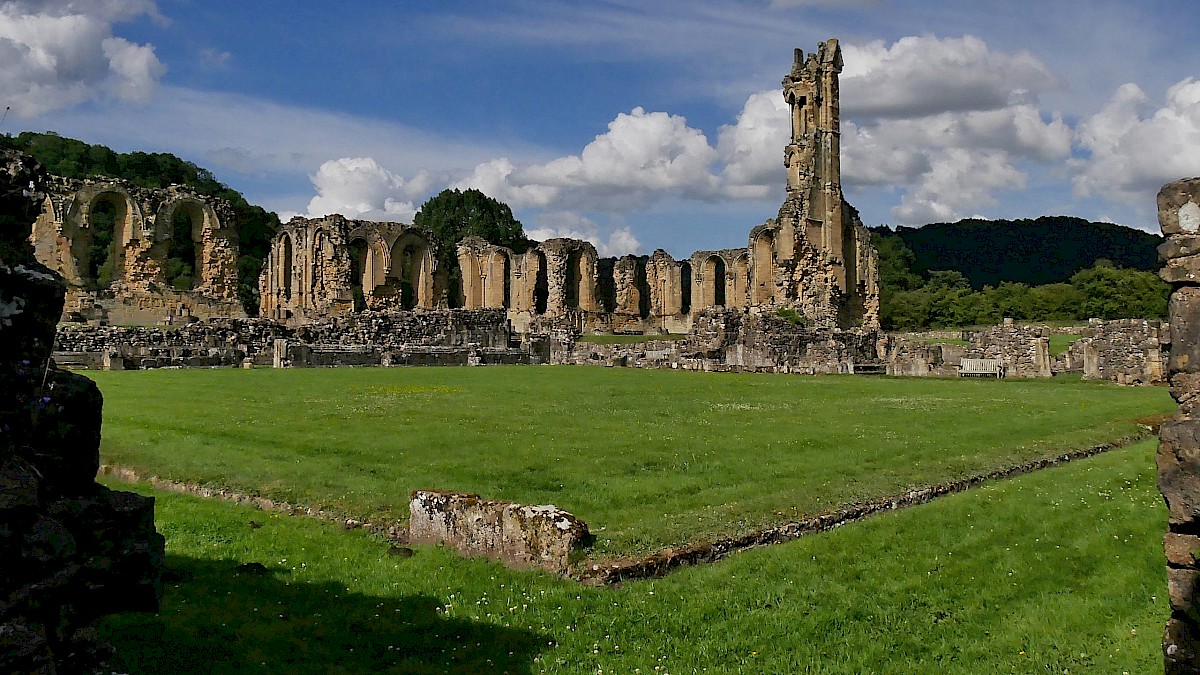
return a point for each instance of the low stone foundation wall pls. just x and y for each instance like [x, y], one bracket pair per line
[524, 537]
[457, 337]
[731, 341]
[1126, 351]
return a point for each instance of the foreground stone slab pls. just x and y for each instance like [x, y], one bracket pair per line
[520, 536]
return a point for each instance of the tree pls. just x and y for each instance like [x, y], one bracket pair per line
[451, 216]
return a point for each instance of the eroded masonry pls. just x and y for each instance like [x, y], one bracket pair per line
[814, 257]
[133, 255]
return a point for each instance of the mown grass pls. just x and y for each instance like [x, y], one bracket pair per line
[1058, 571]
[1059, 343]
[628, 339]
[648, 459]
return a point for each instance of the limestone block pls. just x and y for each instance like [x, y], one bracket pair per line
[1185, 330]
[1179, 207]
[1179, 469]
[66, 419]
[1182, 549]
[520, 536]
[1182, 586]
[1184, 388]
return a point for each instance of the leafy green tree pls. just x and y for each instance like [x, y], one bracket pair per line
[451, 215]
[1115, 293]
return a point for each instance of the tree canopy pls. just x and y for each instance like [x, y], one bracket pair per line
[452, 215]
[911, 299]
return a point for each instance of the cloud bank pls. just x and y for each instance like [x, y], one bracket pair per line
[60, 53]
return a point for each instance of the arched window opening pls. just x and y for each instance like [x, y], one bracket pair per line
[541, 286]
[285, 268]
[358, 273]
[643, 288]
[106, 219]
[184, 250]
[685, 288]
[571, 292]
[715, 277]
[507, 282]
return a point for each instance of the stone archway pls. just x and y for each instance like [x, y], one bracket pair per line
[411, 267]
[714, 277]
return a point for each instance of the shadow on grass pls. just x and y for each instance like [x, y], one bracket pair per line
[219, 618]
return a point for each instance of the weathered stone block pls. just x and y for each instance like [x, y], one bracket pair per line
[67, 419]
[1182, 549]
[1185, 330]
[1182, 586]
[1178, 461]
[519, 536]
[1179, 207]
[1184, 388]
[1179, 647]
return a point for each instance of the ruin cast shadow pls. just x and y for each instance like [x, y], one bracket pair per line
[217, 617]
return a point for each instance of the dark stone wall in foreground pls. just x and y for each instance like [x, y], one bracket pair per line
[71, 550]
[1179, 441]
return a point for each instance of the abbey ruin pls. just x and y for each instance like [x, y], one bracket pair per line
[814, 258]
[133, 255]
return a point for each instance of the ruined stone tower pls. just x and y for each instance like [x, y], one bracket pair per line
[823, 263]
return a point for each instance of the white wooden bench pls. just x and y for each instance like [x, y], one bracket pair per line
[981, 368]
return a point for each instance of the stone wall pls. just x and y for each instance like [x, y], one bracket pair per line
[137, 290]
[72, 550]
[452, 337]
[1125, 351]
[918, 358]
[1179, 444]
[1025, 350]
[732, 341]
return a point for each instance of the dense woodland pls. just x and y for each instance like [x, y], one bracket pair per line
[972, 272]
[978, 272]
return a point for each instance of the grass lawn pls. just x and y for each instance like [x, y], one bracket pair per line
[647, 458]
[1059, 343]
[1059, 571]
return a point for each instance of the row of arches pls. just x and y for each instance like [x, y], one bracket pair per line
[101, 237]
[334, 266]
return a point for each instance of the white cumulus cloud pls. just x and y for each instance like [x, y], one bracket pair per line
[57, 54]
[1135, 145]
[357, 187]
[918, 76]
[612, 243]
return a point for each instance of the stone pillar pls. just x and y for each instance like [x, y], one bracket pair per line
[1179, 442]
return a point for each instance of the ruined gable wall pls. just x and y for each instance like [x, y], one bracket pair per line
[139, 291]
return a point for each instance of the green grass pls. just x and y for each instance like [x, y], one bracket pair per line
[648, 459]
[1059, 571]
[1060, 342]
[628, 339]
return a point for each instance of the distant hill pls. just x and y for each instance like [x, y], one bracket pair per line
[1047, 250]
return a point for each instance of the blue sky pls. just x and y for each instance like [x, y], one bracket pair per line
[637, 125]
